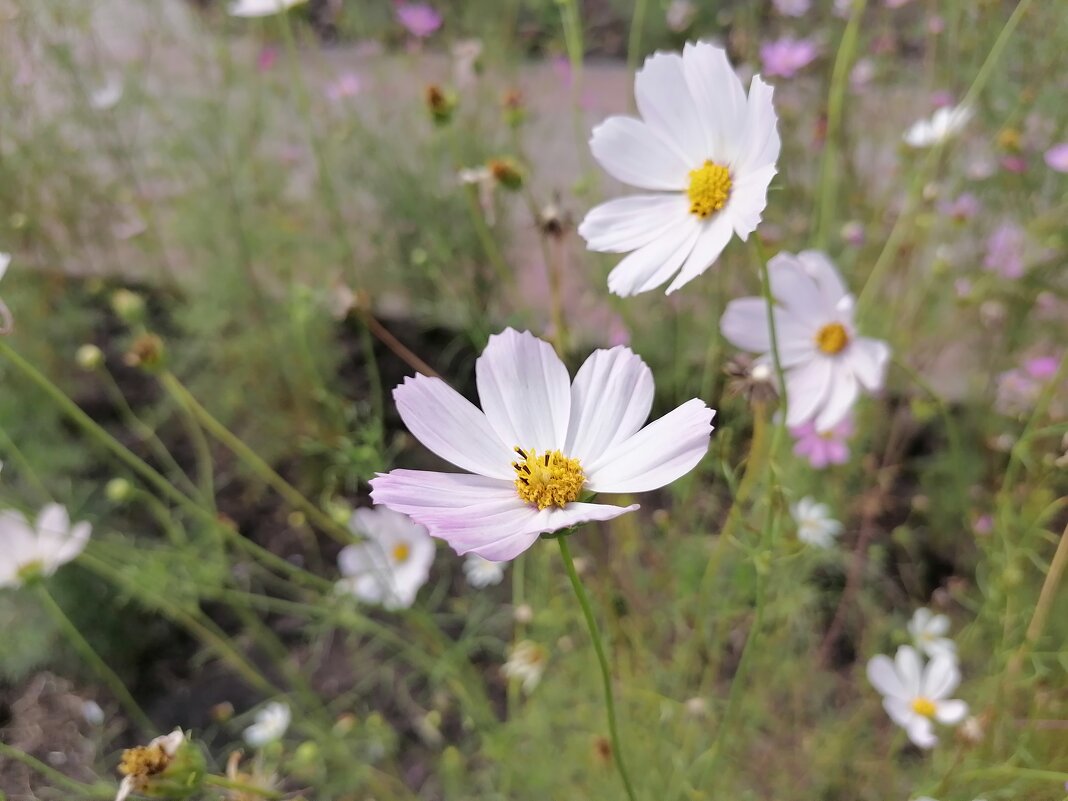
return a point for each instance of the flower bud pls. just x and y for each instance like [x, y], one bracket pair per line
[440, 103]
[506, 172]
[129, 306]
[515, 111]
[146, 352]
[168, 767]
[89, 358]
[118, 490]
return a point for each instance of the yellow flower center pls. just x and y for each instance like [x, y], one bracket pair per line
[144, 760]
[30, 571]
[547, 479]
[924, 706]
[401, 552]
[832, 338]
[710, 186]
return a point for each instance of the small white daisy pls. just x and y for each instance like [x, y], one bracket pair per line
[526, 663]
[482, 572]
[261, 8]
[824, 361]
[914, 695]
[392, 563]
[704, 148]
[815, 526]
[928, 632]
[143, 764]
[944, 124]
[39, 549]
[271, 724]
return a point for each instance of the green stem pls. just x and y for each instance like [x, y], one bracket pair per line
[602, 660]
[24, 465]
[85, 650]
[241, 787]
[634, 41]
[769, 302]
[54, 776]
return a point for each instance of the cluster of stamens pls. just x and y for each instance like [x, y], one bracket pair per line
[401, 551]
[924, 706]
[547, 479]
[144, 761]
[710, 188]
[832, 338]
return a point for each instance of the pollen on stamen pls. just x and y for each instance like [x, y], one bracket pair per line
[832, 338]
[709, 190]
[548, 479]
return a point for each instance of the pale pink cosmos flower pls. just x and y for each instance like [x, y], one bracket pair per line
[419, 19]
[787, 56]
[1056, 157]
[896, 3]
[792, 8]
[961, 208]
[266, 58]
[1005, 250]
[346, 85]
[1018, 389]
[538, 446]
[1014, 163]
[823, 449]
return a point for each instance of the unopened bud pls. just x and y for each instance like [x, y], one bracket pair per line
[515, 111]
[146, 352]
[507, 173]
[440, 104]
[129, 306]
[118, 490]
[89, 357]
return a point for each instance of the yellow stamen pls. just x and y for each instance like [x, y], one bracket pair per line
[710, 187]
[401, 552]
[832, 338]
[547, 479]
[924, 706]
[144, 760]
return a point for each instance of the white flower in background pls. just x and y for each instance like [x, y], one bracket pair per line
[680, 15]
[41, 548]
[392, 563]
[914, 695]
[271, 724]
[704, 149]
[815, 526]
[482, 572]
[792, 8]
[944, 124]
[107, 95]
[5, 262]
[928, 632]
[261, 8]
[483, 180]
[526, 663]
[141, 765]
[824, 361]
[537, 446]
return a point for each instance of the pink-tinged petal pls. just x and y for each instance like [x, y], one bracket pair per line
[868, 359]
[410, 491]
[807, 386]
[792, 287]
[1056, 157]
[525, 391]
[884, 678]
[824, 273]
[664, 101]
[749, 198]
[836, 452]
[909, 669]
[921, 732]
[452, 427]
[951, 713]
[660, 453]
[718, 98]
[840, 397]
[745, 325]
[761, 143]
[714, 236]
[941, 677]
[611, 398]
[652, 265]
[818, 457]
[633, 153]
[628, 223]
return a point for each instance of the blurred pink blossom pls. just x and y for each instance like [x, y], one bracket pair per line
[1057, 157]
[266, 58]
[1018, 389]
[419, 19]
[935, 25]
[346, 85]
[680, 15]
[963, 287]
[787, 56]
[1014, 163]
[896, 3]
[861, 75]
[961, 208]
[792, 8]
[1005, 251]
[853, 233]
[821, 450]
[942, 99]
[983, 525]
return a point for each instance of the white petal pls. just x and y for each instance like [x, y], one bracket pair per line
[525, 391]
[868, 359]
[632, 153]
[409, 491]
[611, 398]
[793, 287]
[941, 677]
[73, 544]
[663, 451]
[718, 97]
[749, 198]
[899, 710]
[951, 712]
[822, 270]
[5, 262]
[841, 396]
[909, 669]
[652, 265]
[883, 677]
[937, 625]
[714, 236]
[807, 386]
[452, 427]
[921, 732]
[761, 143]
[745, 325]
[628, 223]
[664, 101]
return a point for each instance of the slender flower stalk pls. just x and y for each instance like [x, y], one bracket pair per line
[602, 661]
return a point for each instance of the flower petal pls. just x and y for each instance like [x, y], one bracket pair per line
[628, 223]
[525, 391]
[760, 137]
[663, 451]
[951, 712]
[452, 427]
[822, 270]
[749, 198]
[883, 677]
[807, 386]
[941, 677]
[745, 325]
[718, 98]
[631, 152]
[909, 669]
[611, 398]
[650, 266]
[921, 732]
[868, 359]
[840, 398]
[794, 289]
[899, 710]
[664, 101]
[714, 236]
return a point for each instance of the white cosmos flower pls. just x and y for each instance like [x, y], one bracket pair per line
[41, 548]
[5, 262]
[482, 572]
[157, 756]
[526, 663]
[261, 8]
[271, 724]
[944, 124]
[538, 445]
[392, 562]
[815, 526]
[915, 695]
[703, 149]
[824, 361]
[928, 632]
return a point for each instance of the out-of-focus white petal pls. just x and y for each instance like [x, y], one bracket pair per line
[628, 223]
[525, 391]
[664, 101]
[941, 677]
[824, 273]
[260, 8]
[793, 287]
[884, 677]
[5, 262]
[868, 359]
[921, 732]
[951, 713]
[611, 398]
[631, 152]
[840, 398]
[745, 324]
[652, 265]
[807, 387]
[910, 669]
